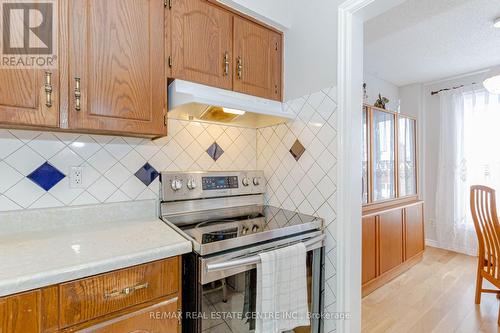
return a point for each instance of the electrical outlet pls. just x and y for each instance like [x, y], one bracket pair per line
[76, 177]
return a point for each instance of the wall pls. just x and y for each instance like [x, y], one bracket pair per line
[375, 86]
[110, 164]
[309, 184]
[276, 13]
[311, 47]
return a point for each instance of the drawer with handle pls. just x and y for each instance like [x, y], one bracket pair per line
[90, 298]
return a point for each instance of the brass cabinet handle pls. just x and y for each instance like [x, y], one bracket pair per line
[78, 94]
[239, 67]
[126, 291]
[276, 89]
[48, 89]
[226, 63]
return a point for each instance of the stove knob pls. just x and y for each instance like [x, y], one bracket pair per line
[244, 230]
[191, 184]
[255, 228]
[256, 181]
[176, 184]
[245, 181]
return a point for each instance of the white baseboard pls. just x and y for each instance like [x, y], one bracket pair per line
[436, 244]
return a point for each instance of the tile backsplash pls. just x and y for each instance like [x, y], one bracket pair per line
[35, 166]
[307, 185]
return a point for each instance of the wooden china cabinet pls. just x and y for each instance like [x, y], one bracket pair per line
[392, 225]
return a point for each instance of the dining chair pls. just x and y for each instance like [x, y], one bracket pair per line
[484, 214]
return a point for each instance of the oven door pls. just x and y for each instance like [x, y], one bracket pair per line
[227, 283]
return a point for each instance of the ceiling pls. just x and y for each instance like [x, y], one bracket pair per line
[427, 40]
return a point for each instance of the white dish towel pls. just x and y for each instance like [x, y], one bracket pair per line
[281, 303]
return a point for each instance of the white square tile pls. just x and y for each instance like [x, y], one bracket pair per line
[326, 161]
[66, 159]
[118, 196]
[24, 193]
[326, 134]
[326, 187]
[133, 161]
[118, 148]
[102, 189]
[46, 201]
[25, 160]
[183, 161]
[62, 191]
[90, 174]
[215, 131]
[46, 145]
[195, 129]
[102, 161]
[147, 194]
[183, 138]
[160, 161]
[172, 149]
[8, 143]
[25, 136]
[132, 187]
[84, 198]
[66, 137]
[6, 204]
[8, 176]
[85, 146]
[118, 174]
[147, 149]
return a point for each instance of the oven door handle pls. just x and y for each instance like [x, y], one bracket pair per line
[310, 244]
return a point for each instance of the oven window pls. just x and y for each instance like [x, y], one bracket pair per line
[228, 305]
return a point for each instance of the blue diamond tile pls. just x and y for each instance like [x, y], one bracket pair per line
[215, 151]
[147, 174]
[46, 176]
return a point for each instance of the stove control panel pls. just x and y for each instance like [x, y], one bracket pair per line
[198, 185]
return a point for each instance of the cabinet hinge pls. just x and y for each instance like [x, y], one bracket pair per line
[169, 61]
[276, 46]
[165, 120]
[168, 3]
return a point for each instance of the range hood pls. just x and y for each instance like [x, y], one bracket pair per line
[193, 101]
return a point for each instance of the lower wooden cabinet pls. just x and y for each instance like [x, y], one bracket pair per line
[143, 298]
[392, 241]
[21, 313]
[159, 318]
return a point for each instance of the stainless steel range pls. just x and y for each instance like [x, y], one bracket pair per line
[224, 216]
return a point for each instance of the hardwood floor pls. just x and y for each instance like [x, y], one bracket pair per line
[436, 295]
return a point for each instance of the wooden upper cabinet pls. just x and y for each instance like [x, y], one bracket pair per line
[202, 49]
[257, 57]
[117, 53]
[23, 100]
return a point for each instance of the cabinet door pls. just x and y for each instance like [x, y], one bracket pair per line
[257, 52]
[20, 313]
[159, 318]
[369, 244]
[202, 43]
[391, 239]
[414, 230]
[384, 181]
[407, 156]
[23, 100]
[117, 52]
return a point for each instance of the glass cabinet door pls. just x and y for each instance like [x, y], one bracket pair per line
[364, 158]
[407, 157]
[383, 156]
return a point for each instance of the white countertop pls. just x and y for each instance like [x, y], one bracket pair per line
[67, 244]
